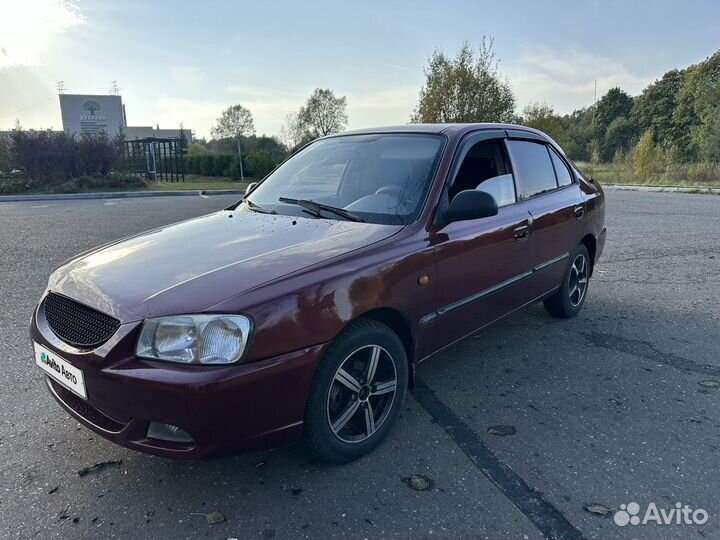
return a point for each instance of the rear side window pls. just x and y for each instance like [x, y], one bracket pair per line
[564, 177]
[533, 167]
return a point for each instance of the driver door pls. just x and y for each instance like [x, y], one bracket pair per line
[483, 265]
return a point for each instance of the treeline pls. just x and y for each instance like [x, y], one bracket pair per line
[679, 114]
[219, 157]
[674, 121]
[322, 114]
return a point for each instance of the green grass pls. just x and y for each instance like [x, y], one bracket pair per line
[17, 186]
[685, 176]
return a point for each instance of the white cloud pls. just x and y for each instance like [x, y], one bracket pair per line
[565, 79]
[28, 26]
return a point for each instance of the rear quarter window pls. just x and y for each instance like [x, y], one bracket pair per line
[564, 177]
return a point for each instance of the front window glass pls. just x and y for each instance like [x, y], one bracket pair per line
[485, 168]
[380, 178]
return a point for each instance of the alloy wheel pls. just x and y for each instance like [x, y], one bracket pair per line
[362, 393]
[578, 280]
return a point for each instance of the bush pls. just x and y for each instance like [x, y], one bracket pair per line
[93, 183]
[208, 164]
[10, 186]
[648, 158]
[704, 173]
[197, 149]
[57, 156]
[259, 164]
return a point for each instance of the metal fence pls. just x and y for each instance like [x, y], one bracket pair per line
[155, 159]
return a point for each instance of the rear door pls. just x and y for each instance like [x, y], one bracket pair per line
[555, 202]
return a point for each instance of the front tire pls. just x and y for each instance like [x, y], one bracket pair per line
[357, 392]
[570, 297]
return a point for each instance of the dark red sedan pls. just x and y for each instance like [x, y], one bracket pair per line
[303, 310]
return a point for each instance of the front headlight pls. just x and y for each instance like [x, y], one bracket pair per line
[194, 339]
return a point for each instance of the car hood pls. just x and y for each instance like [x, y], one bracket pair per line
[193, 265]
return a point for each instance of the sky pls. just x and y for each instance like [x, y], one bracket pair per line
[184, 62]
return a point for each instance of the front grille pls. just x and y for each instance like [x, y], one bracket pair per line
[77, 324]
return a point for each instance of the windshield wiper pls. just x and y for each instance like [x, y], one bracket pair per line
[257, 208]
[316, 208]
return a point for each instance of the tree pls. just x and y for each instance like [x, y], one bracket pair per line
[323, 113]
[696, 104]
[542, 116]
[259, 163]
[183, 140]
[579, 129]
[646, 156]
[197, 149]
[614, 104]
[707, 136]
[6, 162]
[234, 122]
[467, 88]
[620, 135]
[653, 109]
[293, 132]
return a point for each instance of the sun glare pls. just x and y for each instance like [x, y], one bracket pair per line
[27, 27]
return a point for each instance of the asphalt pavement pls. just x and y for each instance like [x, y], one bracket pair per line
[619, 405]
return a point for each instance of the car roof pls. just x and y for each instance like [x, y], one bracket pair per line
[451, 130]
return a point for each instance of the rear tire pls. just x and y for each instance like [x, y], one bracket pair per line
[570, 297]
[357, 392]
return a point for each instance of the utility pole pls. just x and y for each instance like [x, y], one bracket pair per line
[595, 94]
[60, 87]
[114, 89]
[242, 173]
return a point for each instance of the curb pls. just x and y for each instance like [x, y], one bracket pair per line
[118, 195]
[661, 189]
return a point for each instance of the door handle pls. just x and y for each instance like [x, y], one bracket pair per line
[522, 232]
[579, 211]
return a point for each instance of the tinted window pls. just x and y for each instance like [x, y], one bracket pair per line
[564, 177]
[533, 167]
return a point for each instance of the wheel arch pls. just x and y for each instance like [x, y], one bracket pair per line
[398, 323]
[590, 243]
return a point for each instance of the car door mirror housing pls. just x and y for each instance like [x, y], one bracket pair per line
[250, 187]
[471, 204]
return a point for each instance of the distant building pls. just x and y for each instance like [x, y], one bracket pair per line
[133, 133]
[93, 114]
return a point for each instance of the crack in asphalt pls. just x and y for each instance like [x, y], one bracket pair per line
[551, 523]
[645, 349]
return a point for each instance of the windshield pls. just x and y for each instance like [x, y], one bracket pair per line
[379, 178]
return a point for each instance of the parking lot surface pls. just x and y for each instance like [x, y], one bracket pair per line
[618, 405]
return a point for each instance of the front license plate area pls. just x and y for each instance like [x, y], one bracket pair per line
[60, 370]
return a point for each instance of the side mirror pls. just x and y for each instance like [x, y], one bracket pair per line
[471, 204]
[250, 187]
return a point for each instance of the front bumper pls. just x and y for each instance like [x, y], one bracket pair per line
[226, 409]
